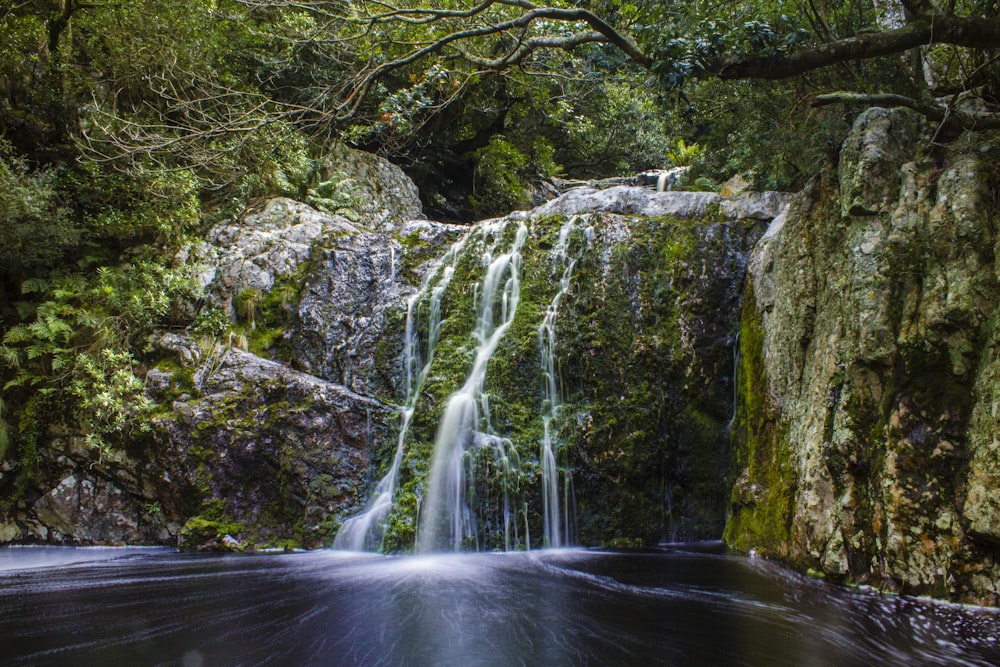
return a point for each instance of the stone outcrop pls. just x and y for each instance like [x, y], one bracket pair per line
[352, 304]
[627, 200]
[245, 451]
[262, 453]
[84, 499]
[865, 440]
[382, 195]
[254, 252]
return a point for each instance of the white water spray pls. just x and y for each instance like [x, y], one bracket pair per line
[366, 530]
[556, 519]
[446, 518]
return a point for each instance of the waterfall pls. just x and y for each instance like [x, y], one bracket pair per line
[365, 531]
[556, 519]
[446, 517]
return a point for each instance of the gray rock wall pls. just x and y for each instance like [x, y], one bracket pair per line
[250, 450]
[866, 439]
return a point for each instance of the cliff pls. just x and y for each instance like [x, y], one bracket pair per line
[865, 442]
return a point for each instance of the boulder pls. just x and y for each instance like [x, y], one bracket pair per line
[382, 195]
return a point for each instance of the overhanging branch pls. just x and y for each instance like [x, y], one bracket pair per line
[534, 13]
[934, 28]
[949, 117]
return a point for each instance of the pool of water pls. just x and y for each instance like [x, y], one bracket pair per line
[672, 606]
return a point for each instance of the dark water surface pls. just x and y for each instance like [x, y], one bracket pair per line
[671, 607]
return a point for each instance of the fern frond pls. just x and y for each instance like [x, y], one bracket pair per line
[17, 334]
[35, 286]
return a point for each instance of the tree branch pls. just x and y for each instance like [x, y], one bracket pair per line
[527, 47]
[919, 7]
[934, 28]
[948, 116]
[354, 99]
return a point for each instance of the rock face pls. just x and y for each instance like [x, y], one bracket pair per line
[256, 251]
[85, 500]
[645, 322]
[383, 196]
[352, 304]
[866, 435]
[264, 454]
[246, 451]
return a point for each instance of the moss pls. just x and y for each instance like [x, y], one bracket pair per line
[761, 470]
[181, 384]
[643, 434]
[648, 461]
[205, 533]
[513, 383]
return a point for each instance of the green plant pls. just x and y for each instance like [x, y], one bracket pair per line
[704, 184]
[211, 321]
[334, 195]
[110, 401]
[74, 347]
[4, 431]
[500, 176]
[36, 226]
[248, 305]
[684, 155]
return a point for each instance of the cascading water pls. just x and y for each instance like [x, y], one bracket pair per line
[365, 531]
[556, 506]
[447, 520]
[475, 486]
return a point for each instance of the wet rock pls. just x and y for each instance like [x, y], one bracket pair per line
[628, 200]
[352, 306]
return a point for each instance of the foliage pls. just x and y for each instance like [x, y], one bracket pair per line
[4, 430]
[77, 343]
[109, 401]
[684, 155]
[499, 176]
[36, 225]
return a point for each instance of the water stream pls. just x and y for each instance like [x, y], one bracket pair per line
[670, 606]
[557, 485]
[365, 531]
[447, 521]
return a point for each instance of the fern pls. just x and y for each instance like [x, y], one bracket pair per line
[35, 286]
[10, 357]
[685, 155]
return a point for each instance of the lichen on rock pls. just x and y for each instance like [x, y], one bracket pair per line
[876, 298]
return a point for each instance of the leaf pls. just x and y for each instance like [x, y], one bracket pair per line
[35, 286]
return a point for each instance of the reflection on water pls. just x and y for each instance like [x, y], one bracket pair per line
[567, 607]
[28, 557]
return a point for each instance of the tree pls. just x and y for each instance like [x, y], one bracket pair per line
[677, 41]
[431, 83]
